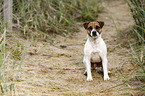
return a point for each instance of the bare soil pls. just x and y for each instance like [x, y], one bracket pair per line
[56, 69]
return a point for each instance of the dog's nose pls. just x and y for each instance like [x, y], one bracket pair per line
[94, 33]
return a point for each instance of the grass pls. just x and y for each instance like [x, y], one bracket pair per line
[22, 58]
[138, 12]
[8, 68]
[115, 27]
[37, 18]
[135, 80]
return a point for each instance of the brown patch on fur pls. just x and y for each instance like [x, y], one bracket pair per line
[86, 25]
[101, 23]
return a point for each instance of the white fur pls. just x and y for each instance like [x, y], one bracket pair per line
[95, 50]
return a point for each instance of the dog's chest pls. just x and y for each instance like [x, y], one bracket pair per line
[95, 49]
[95, 53]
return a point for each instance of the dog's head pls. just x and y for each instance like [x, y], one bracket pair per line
[94, 29]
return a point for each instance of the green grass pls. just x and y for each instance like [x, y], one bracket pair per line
[37, 19]
[134, 80]
[137, 9]
[9, 71]
[53, 16]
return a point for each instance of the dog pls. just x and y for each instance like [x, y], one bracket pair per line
[95, 50]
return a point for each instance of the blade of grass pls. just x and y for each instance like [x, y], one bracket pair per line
[3, 35]
[126, 50]
[4, 42]
[1, 77]
[5, 60]
[2, 90]
[115, 27]
[137, 58]
[11, 88]
[123, 79]
[111, 87]
[139, 35]
[22, 58]
[134, 56]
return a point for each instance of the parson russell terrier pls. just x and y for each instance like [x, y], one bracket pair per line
[95, 50]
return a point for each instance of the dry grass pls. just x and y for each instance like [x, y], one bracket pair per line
[53, 16]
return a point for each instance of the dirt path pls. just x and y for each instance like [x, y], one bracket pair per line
[58, 69]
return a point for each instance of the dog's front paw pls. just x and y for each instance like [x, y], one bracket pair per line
[89, 79]
[106, 78]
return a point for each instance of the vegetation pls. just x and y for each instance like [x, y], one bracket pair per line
[138, 50]
[53, 16]
[35, 18]
[137, 8]
[135, 80]
[8, 67]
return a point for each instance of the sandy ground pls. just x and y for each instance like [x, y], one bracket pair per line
[57, 69]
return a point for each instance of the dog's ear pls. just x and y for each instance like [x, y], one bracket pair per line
[86, 24]
[101, 23]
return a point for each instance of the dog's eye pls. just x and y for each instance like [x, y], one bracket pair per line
[90, 28]
[97, 27]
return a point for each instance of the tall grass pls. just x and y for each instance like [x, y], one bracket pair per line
[9, 70]
[135, 80]
[38, 18]
[137, 8]
[53, 16]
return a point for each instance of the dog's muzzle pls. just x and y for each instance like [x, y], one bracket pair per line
[94, 33]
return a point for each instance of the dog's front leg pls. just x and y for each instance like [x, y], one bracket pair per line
[104, 63]
[88, 68]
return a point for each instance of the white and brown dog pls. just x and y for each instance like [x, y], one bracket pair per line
[95, 50]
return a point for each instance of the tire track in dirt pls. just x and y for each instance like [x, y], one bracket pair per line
[58, 69]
